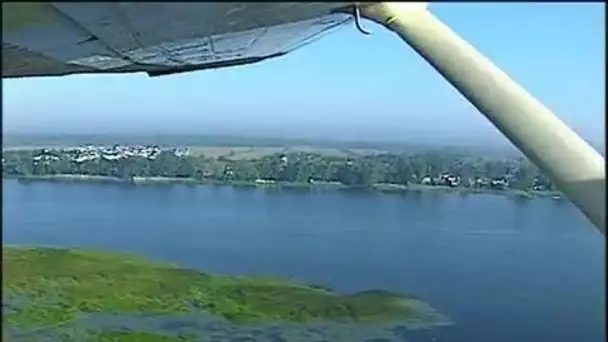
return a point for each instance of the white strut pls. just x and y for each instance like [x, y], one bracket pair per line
[573, 165]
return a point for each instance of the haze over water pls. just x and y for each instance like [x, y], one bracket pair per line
[501, 269]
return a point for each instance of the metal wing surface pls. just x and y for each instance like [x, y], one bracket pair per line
[56, 39]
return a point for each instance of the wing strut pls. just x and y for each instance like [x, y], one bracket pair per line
[576, 168]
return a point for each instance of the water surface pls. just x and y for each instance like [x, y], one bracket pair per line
[501, 269]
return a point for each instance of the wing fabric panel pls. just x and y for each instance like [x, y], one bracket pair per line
[54, 39]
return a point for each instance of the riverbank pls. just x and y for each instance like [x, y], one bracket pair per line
[378, 188]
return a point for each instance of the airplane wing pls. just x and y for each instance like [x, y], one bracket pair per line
[56, 39]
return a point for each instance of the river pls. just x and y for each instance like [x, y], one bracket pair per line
[502, 269]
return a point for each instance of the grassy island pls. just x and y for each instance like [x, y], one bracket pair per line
[47, 287]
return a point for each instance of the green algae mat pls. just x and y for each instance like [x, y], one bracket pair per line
[82, 295]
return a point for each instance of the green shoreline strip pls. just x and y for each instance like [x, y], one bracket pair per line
[50, 287]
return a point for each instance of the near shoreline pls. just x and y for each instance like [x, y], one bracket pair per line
[71, 292]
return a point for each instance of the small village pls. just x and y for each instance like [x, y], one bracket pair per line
[84, 153]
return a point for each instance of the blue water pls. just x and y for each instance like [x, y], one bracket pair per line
[501, 269]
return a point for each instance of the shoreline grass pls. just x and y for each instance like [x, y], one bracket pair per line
[50, 287]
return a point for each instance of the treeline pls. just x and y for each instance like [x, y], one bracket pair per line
[296, 167]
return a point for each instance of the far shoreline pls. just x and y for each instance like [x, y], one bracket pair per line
[332, 186]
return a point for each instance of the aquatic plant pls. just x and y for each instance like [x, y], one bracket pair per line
[52, 287]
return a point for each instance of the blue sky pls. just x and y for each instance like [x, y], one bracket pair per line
[345, 86]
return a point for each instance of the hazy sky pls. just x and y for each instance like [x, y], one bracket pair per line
[345, 86]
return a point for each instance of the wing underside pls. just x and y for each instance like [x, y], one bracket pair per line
[55, 39]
